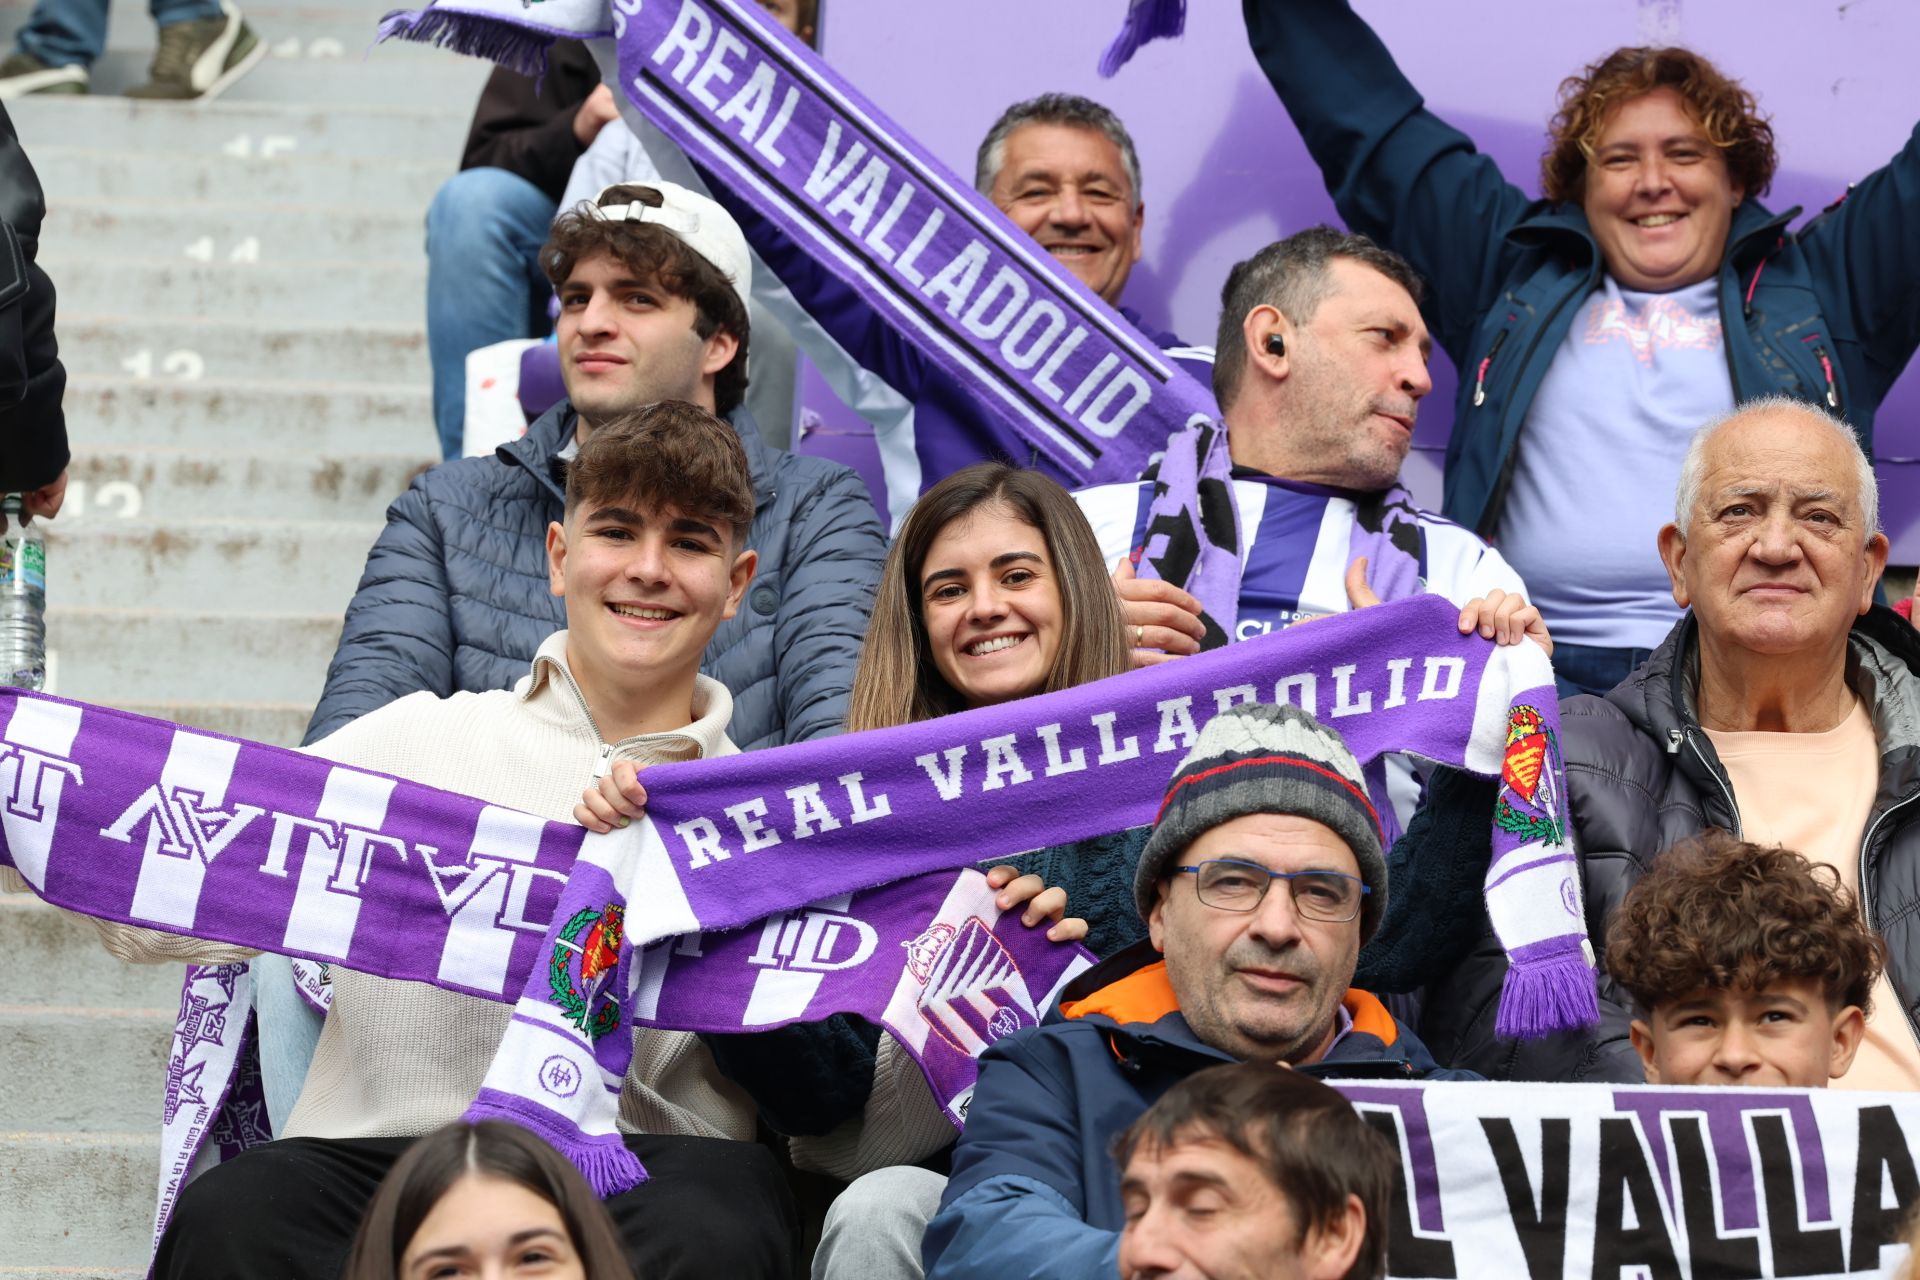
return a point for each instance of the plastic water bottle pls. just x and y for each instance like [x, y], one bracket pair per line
[23, 599]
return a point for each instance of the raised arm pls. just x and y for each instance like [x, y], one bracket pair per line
[1396, 171]
[1869, 247]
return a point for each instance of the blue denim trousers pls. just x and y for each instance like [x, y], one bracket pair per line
[484, 283]
[63, 32]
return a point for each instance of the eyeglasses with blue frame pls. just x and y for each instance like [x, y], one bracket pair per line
[1228, 884]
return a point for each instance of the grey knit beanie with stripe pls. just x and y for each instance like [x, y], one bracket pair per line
[1256, 758]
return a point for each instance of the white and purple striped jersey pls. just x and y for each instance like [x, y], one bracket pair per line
[1295, 539]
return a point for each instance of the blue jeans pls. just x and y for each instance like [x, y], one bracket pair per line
[1588, 668]
[63, 32]
[484, 283]
[289, 1029]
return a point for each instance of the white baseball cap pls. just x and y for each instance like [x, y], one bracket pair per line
[699, 221]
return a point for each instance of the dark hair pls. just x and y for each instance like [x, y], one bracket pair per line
[653, 252]
[1727, 113]
[1069, 109]
[1303, 1133]
[1720, 913]
[429, 1168]
[896, 681]
[1292, 276]
[667, 454]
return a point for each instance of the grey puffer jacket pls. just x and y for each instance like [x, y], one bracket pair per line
[454, 596]
[1642, 775]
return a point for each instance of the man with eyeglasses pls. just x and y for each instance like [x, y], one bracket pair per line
[1262, 879]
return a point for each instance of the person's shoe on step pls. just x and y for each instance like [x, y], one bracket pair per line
[22, 73]
[198, 60]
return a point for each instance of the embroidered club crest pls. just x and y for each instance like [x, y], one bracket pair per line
[582, 964]
[974, 990]
[1527, 774]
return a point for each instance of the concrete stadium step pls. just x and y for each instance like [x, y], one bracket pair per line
[241, 129]
[342, 292]
[218, 415]
[109, 655]
[247, 486]
[394, 75]
[245, 565]
[70, 1199]
[54, 958]
[279, 724]
[68, 173]
[71, 1273]
[124, 1049]
[213, 232]
[117, 346]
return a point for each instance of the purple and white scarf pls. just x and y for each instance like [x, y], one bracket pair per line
[134, 820]
[771, 126]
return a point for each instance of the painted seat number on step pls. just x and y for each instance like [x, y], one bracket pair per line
[184, 365]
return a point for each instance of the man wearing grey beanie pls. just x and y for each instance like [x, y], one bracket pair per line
[1262, 879]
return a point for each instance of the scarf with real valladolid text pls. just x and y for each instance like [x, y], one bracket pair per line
[137, 821]
[769, 125]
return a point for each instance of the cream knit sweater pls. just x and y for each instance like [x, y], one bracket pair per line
[398, 1059]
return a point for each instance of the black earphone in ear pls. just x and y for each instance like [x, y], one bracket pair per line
[1276, 345]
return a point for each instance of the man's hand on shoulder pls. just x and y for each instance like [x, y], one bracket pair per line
[1162, 621]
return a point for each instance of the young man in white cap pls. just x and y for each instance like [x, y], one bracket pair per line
[1263, 878]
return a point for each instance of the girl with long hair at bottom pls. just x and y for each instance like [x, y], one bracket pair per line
[488, 1199]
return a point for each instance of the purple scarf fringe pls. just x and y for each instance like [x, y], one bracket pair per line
[609, 1167]
[1549, 987]
[1146, 20]
[502, 42]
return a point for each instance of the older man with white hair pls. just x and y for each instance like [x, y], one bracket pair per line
[1783, 707]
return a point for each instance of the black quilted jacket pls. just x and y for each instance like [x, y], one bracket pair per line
[33, 429]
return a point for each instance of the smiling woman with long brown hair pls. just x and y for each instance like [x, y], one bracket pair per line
[989, 555]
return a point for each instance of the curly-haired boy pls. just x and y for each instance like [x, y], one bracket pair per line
[1747, 966]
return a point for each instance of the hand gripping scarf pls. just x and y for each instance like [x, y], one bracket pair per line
[770, 126]
[134, 820]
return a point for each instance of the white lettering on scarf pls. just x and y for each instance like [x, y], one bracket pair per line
[1004, 762]
[34, 770]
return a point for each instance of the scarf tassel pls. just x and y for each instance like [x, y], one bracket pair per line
[1549, 987]
[603, 1158]
[476, 36]
[1146, 20]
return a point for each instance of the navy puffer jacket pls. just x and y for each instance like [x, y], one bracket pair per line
[454, 596]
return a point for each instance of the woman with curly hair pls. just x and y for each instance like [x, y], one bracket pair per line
[1596, 329]
[1747, 965]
